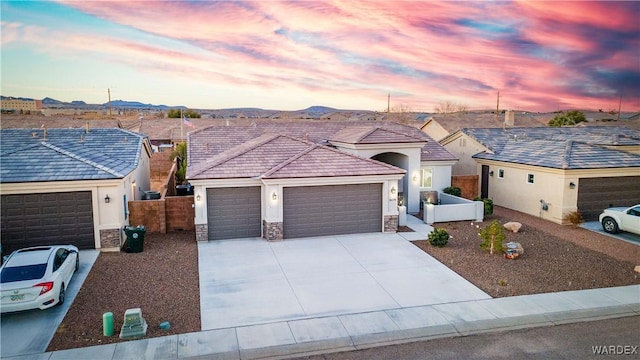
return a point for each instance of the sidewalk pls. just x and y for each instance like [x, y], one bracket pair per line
[371, 329]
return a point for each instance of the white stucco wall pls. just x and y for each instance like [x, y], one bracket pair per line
[463, 147]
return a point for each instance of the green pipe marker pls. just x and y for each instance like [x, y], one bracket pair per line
[107, 324]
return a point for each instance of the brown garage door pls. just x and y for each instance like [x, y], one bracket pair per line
[234, 212]
[332, 210]
[45, 219]
[596, 194]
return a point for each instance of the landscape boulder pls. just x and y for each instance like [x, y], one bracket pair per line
[513, 226]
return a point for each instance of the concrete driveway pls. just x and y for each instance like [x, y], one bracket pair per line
[30, 332]
[595, 226]
[252, 281]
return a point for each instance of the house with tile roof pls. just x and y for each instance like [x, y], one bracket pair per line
[550, 172]
[298, 179]
[70, 186]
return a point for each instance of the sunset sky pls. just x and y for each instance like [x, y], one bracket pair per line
[540, 55]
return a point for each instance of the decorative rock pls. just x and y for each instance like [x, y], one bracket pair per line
[512, 250]
[513, 226]
[637, 269]
[165, 325]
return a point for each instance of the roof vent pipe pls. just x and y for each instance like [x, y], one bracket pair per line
[86, 128]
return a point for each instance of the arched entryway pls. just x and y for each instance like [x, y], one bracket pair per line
[401, 161]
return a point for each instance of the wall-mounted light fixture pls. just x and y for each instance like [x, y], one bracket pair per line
[198, 197]
[572, 185]
[107, 199]
[393, 190]
[491, 173]
[274, 196]
[415, 178]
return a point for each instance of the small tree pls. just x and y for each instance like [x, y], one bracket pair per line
[180, 152]
[572, 117]
[492, 237]
[176, 113]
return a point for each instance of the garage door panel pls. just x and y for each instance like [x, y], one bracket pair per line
[47, 218]
[332, 210]
[596, 194]
[234, 212]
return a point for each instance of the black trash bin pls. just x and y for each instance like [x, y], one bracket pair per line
[135, 239]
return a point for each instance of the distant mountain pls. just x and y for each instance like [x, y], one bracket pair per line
[318, 109]
[135, 105]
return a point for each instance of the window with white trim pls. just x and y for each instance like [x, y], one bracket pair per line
[426, 179]
[500, 173]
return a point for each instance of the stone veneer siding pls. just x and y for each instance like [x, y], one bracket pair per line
[272, 231]
[390, 223]
[110, 238]
[202, 232]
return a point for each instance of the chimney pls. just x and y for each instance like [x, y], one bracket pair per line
[509, 117]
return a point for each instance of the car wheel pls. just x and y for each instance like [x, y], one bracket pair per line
[77, 263]
[609, 225]
[61, 296]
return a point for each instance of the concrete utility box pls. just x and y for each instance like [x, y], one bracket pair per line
[134, 326]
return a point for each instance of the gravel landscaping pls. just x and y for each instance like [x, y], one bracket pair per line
[556, 257]
[163, 279]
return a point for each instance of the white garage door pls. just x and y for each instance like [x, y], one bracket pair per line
[332, 210]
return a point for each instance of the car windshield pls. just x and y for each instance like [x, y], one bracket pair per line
[21, 273]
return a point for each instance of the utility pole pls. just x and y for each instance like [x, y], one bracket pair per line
[388, 104]
[109, 92]
[497, 105]
[619, 108]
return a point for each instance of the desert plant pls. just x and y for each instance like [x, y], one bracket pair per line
[488, 205]
[502, 282]
[574, 217]
[180, 153]
[492, 237]
[452, 190]
[438, 237]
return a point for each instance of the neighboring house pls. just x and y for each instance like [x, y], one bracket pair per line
[69, 186]
[440, 126]
[286, 180]
[550, 172]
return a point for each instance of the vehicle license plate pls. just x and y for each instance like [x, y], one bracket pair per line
[17, 297]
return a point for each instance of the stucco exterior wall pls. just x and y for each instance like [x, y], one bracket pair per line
[463, 147]
[435, 130]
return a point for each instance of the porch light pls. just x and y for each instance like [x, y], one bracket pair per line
[572, 185]
[274, 196]
[198, 197]
[393, 190]
[415, 178]
[491, 173]
[107, 199]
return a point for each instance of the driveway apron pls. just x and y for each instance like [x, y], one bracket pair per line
[252, 281]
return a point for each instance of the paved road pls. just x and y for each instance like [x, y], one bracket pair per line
[570, 341]
[29, 332]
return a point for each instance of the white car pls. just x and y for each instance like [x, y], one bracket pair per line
[615, 219]
[37, 277]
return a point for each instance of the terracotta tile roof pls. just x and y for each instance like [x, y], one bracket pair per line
[373, 135]
[323, 161]
[282, 156]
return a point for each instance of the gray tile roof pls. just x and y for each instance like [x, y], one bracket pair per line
[67, 154]
[560, 148]
[281, 156]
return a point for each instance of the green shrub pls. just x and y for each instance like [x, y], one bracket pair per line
[492, 237]
[452, 190]
[488, 205]
[438, 237]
